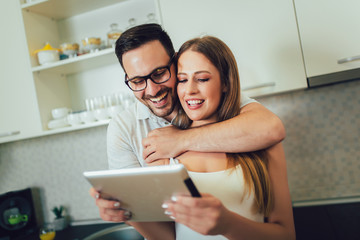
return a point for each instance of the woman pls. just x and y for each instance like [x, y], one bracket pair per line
[247, 195]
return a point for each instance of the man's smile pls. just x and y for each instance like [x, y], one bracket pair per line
[159, 98]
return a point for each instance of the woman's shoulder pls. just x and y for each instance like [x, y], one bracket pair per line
[203, 161]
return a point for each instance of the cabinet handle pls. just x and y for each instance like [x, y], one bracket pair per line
[348, 59]
[6, 134]
[269, 84]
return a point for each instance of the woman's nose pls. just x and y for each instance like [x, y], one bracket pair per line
[191, 88]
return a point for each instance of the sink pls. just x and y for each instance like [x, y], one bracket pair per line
[117, 232]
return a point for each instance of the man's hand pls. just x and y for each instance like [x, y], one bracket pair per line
[163, 142]
[110, 210]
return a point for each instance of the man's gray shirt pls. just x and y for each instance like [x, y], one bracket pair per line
[127, 129]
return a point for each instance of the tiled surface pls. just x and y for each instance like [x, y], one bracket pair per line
[322, 144]
[322, 149]
[54, 164]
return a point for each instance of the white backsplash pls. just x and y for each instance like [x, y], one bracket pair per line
[322, 149]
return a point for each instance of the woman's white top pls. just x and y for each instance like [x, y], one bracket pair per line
[228, 186]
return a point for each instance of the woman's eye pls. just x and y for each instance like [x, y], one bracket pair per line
[182, 80]
[203, 79]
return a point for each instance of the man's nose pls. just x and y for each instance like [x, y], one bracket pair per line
[152, 88]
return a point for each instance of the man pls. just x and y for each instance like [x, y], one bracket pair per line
[147, 56]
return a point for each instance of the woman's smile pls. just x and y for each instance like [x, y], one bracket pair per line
[194, 103]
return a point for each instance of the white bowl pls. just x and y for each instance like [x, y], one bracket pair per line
[74, 119]
[58, 123]
[113, 110]
[48, 56]
[101, 114]
[58, 113]
[87, 117]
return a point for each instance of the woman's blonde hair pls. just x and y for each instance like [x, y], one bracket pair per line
[253, 164]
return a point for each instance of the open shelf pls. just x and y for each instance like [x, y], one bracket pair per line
[60, 9]
[69, 82]
[74, 128]
[80, 63]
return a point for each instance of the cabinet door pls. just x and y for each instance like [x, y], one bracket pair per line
[18, 105]
[329, 32]
[262, 35]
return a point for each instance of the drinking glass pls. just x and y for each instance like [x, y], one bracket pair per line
[47, 232]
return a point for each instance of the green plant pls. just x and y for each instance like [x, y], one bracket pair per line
[58, 211]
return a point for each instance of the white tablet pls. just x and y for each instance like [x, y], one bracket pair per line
[143, 190]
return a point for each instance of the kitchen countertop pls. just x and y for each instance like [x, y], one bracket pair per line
[326, 201]
[76, 232]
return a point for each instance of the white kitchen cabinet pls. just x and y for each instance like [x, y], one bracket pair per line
[330, 37]
[18, 105]
[262, 34]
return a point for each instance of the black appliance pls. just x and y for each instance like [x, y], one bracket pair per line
[17, 215]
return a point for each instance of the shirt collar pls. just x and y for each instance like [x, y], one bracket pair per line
[143, 112]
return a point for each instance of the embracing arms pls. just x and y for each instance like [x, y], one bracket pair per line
[255, 128]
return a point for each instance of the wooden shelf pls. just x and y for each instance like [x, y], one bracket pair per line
[80, 63]
[61, 9]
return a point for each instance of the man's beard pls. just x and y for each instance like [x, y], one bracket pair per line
[157, 111]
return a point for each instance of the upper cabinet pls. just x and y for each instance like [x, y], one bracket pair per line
[262, 35]
[330, 37]
[18, 104]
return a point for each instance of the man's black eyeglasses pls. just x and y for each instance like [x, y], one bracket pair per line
[158, 76]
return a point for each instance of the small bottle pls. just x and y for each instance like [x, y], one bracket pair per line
[132, 23]
[151, 18]
[113, 35]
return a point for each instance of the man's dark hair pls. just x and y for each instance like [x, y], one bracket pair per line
[138, 36]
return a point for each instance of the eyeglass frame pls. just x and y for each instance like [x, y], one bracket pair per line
[146, 77]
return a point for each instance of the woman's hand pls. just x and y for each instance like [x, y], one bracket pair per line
[110, 210]
[205, 215]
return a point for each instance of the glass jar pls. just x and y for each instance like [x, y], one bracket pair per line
[113, 35]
